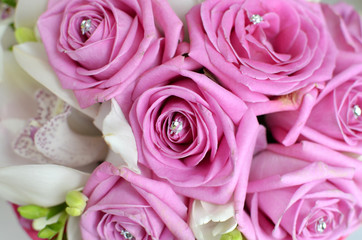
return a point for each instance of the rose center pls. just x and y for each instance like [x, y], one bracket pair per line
[176, 126]
[85, 26]
[357, 112]
[256, 19]
[320, 225]
[178, 129]
[127, 235]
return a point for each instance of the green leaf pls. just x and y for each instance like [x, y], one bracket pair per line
[55, 210]
[32, 211]
[24, 34]
[11, 3]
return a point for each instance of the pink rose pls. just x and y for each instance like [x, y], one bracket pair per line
[345, 25]
[333, 118]
[273, 47]
[124, 204]
[305, 191]
[98, 48]
[191, 132]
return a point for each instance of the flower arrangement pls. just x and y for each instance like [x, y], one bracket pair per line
[156, 119]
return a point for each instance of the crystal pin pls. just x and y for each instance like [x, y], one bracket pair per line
[256, 18]
[357, 111]
[127, 235]
[176, 127]
[85, 26]
[321, 225]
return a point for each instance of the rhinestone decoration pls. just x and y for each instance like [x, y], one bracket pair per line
[357, 111]
[127, 235]
[85, 26]
[256, 18]
[176, 127]
[321, 225]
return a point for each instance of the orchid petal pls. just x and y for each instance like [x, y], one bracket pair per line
[6, 40]
[73, 229]
[8, 130]
[16, 77]
[6, 34]
[16, 90]
[41, 184]
[63, 146]
[27, 12]
[118, 134]
[32, 57]
[48, 138]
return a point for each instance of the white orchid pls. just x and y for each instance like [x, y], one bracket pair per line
[41, 132]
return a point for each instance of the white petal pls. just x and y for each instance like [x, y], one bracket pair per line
[103, 111]
[7, 39]
[27, 12]
[73, 229]
[83, 124]
[224, 227]
[118, 134]
[16, 90]
[41, 184]
[210, 221]
[32, 57]
[218, 213]
[2, 30]
[118, 161]
[7, 33]
[183, 7]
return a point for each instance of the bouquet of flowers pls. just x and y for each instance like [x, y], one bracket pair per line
[156, 119]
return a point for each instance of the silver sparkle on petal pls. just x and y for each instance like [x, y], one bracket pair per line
[321, 225]
[256, 18]
[176, 127]
[127, 235]
[357, 111]
[85, 26]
